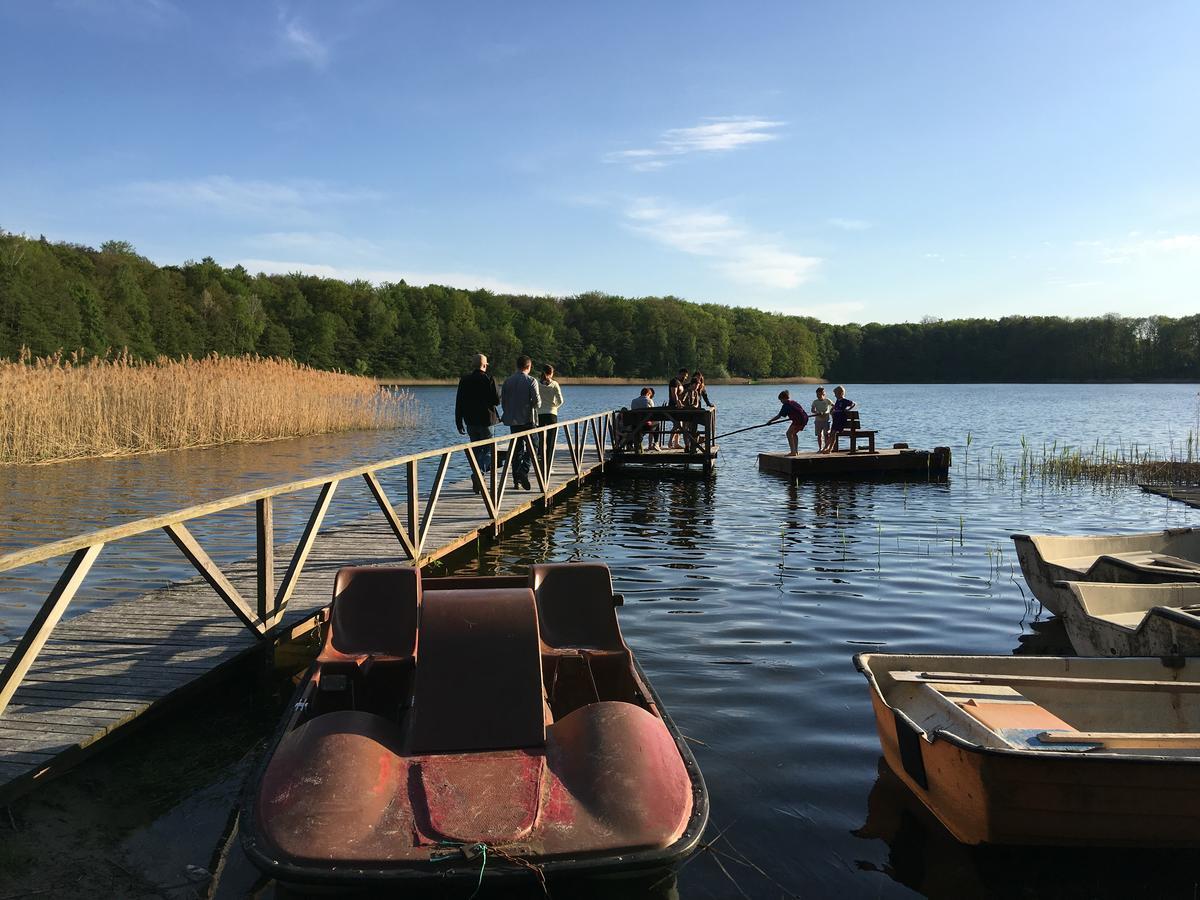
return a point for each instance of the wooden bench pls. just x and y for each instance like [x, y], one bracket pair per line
[853, 432]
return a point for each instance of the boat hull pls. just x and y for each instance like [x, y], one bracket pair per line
[1164, 630]
[1045, 576]
[986, 795]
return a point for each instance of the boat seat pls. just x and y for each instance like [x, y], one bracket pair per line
[373, 615]
[1019, 721]
[479, 679]
[575, 608]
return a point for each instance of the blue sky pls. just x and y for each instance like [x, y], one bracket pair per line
[857, 161]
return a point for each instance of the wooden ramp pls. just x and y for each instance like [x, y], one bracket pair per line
[104, 669]
[1189, 494]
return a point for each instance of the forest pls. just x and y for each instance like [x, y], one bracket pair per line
[61, 296]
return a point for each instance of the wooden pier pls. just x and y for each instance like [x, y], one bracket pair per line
[846, 464]
[641, 439]
[1183, 493]
[66, 688]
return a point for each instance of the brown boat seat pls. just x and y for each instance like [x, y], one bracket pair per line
[479, 679]
[575, 607]
[374, 615]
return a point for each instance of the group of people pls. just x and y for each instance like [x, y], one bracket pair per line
[829, 418]
[683, 392]
[526, 402]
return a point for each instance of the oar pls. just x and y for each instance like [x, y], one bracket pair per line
[740, 430]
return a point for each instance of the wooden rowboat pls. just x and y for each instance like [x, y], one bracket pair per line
[453, 729]
[1045, 750]
[1132, 619]
[1158, 557]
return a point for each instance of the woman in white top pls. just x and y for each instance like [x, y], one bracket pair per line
[552, 398]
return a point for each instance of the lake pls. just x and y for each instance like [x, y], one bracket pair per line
[746, 598]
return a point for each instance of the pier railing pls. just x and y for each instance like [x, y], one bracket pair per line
[265, 611]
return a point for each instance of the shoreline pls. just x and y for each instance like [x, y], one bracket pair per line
[584, 381]
[601, 382]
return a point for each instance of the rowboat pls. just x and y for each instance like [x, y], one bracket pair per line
[467, 728]
[1045, 750]
[1155, 558]
[1132, 619]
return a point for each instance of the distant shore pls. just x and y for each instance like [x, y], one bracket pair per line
[593, 382]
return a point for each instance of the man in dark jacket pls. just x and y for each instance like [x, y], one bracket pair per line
[475, 409]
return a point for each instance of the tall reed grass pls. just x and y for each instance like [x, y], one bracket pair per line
[64, 407]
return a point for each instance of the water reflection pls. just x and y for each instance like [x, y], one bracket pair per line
[924, 856]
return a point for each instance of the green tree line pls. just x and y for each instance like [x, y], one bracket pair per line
[60, 296]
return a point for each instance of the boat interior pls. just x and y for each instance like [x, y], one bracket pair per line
[1127, 706]
[505, 710]
[534, 649]
[1174, 550]
[1127, 605]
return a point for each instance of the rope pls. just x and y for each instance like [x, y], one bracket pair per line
[469, 850]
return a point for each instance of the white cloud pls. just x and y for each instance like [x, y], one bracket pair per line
[415, 277]
[299, 43]
[714, 135]
[736, 251]
[1137, 246]
[850, 224]
[223, 195]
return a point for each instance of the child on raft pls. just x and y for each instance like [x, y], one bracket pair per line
[799, 416]
[841, 406]
[820, 410]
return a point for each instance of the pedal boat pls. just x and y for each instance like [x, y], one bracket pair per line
[456, 726]
[1045, 750]
[1157, 557]
[1132, 619]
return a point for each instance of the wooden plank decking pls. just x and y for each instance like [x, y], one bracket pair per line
[1189, 494]
[103, 669]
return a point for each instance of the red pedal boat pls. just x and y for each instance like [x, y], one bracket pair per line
[453, 726]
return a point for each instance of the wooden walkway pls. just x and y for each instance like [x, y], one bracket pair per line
[103, 669]
[1189, 494]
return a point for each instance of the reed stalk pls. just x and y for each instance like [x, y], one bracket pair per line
[66, 407]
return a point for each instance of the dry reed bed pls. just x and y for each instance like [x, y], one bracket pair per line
[60, 408]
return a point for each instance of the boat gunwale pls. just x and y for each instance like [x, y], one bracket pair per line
[1013, 752]
[597, 863]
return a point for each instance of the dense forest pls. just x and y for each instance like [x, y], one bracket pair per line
[64, 296]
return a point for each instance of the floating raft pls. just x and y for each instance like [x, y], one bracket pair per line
[859, 464]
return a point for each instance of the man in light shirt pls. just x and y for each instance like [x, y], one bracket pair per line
[520, 398]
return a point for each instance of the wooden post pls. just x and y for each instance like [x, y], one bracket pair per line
[43, 623]
[389, 513]
[431, 503]
[265, 540]
[414, 512]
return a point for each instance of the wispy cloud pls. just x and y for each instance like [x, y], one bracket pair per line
[1135, 245]
[223, 195]
[850, 224]
[713, 135]
[416, 277]
[734, 249]
[300, 43]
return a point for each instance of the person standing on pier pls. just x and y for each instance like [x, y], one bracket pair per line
[475, 410]
[552, 398]
[521, 399]
[820, 410]
[675, 399]
[799, 416]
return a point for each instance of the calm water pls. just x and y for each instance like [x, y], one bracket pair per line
[746, 597]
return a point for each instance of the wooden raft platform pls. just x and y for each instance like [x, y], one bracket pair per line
[860, 464]
[1189, 494]
[104, 669]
